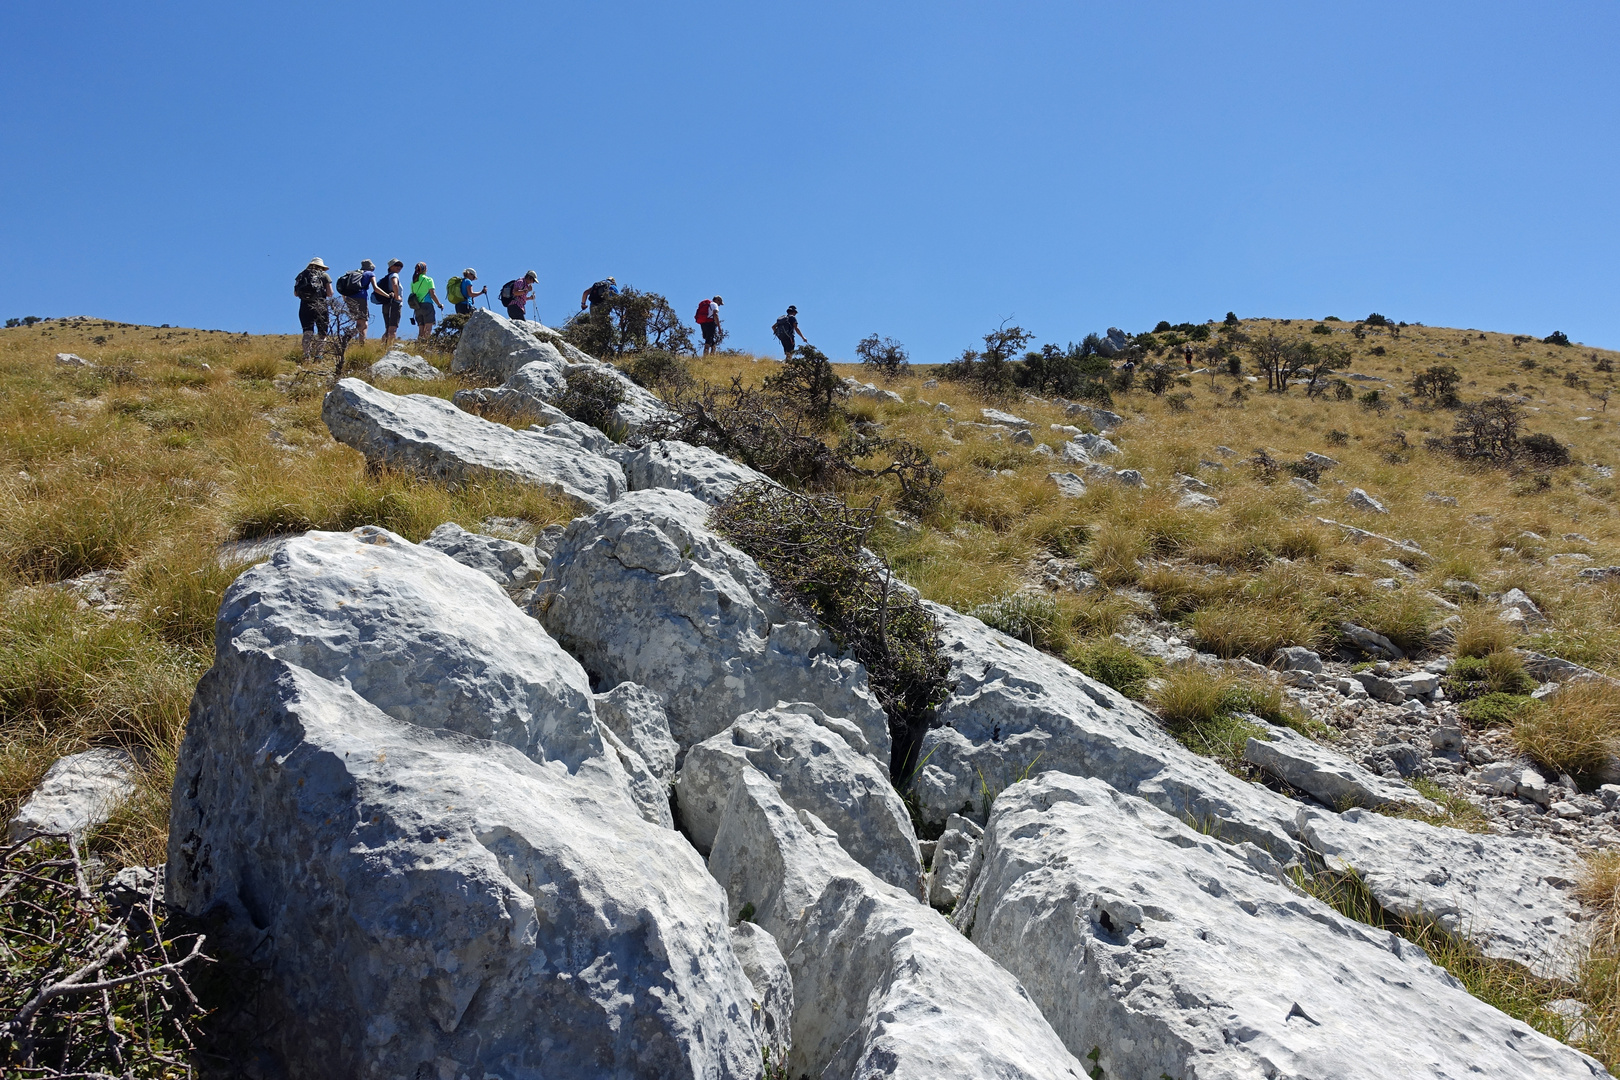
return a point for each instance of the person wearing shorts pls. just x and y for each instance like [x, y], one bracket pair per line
[785, 328]
[388, 293]
[423, 301]
[313, 287]
[360, 306]
[522, 291]
[469, 294]
[711, 327]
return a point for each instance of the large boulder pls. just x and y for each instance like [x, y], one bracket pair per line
[1159, 951]
[495, 347]
[819, 764]
[424, 903]
[399, 364]
[645, 591]
[77, 793]
[696, 470]
[1513, 897]
[1015, 712]
[430, 436]
[883, 986]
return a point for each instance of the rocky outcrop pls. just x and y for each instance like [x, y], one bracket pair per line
[679, 466]
[77, 793]
[1015, 712]
[420, 901]
[1512, 896]
[430, 436]
[644, 591]
[515, 567]
[523, 399]
[1157, 951]
[821, 765]
[534, 360]
[883, 986]
[399, 364]
[636, 715]
[1326, 775]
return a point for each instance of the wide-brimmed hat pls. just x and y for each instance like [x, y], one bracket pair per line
[316, 261]
[792, 310]
[469, 272]
[530, 275]
[396, 262]
[367, 264]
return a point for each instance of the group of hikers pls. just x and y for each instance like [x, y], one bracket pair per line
[359, 289]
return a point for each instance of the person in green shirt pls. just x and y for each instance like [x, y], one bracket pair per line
[423, 300]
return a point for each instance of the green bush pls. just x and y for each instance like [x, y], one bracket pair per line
[1495, 709]
[591, 398]
[1033, 618]
[885, 354]
[1115, 665]
[814, 549]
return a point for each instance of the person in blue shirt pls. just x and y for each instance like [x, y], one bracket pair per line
[359, 306]
[599, 294]
[465, 306]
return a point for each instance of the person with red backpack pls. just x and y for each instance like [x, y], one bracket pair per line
[515, 294]
[708, 320]
[313, 287]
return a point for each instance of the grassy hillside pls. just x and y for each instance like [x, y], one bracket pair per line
[150, 469]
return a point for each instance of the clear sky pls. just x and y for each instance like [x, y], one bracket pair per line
[921, 170]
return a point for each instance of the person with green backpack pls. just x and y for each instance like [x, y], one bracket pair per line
[460, 293]
[423, 300]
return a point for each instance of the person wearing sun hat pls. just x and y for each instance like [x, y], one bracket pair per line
[313, 287]
[464, 305]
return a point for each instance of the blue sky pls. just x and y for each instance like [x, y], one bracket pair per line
[921, 170]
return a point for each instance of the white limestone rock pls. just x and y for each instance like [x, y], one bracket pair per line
[1327, 775]
[1360, 500]
[399, 364]
[996, 416]
[515, 567]
[420, 900]
[523, 398]
[1194, 501]
[636, 715]
[1096, 446]
[819, 764]
[1173, 954]
[1513, 896]
[696, 470]
[495, 347]
[768, 973]
[1015, 711]
[956, 856]
[1101, 419]
[429, 435]
[644, 591]
[883, 986]
[77, 793]
[1068, 484]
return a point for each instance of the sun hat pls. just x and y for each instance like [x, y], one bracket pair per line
[530, 275]
[316, 261]
[367, 264]
[792, 310]
[396, 262]
[718, 300]
[469, 272]
[613, 279]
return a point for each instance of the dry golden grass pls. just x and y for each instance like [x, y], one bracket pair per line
[1575, 730]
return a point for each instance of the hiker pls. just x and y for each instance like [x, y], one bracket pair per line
[460, 292]
[355, 288]
[1187, 352]
[784, 329]
[313, 287]
[386, 292]
[599, 294]
[708, 320]
[515, 294]
[423, 301]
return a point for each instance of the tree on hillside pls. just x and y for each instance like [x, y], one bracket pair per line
[1076, 372]
[1323, 361]
[991, 370]
[632, 321]
[1438, 384]
[887, 355]
[1282, 360]
[1488, 430]
[808, 381]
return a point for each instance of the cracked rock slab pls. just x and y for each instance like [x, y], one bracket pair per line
[1173, 954]
[77, 793]
[1512, 896]
[430, 436]
[679, 466]
[1327, 775]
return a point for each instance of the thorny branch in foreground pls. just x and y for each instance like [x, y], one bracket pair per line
[91, 985]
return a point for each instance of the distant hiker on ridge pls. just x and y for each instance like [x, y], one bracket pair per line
[515, 294]
[423, 300]
[708, 320]
[313, 287]
[784, 329]
[459, 291]
[387, 292]
[355, 288]
[599, 294]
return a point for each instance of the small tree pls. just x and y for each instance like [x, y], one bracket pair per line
[1159, 377]
[992, 369]
[887, 355]
[1280, 359]
[808, 382]
[592, 397]
[1438, 384]
[631, 321]
[1323, 361]
[1557, 337]
[1488, 430]
[1231, 319]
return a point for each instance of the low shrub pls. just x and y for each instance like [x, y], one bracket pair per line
[1033, 618]
[1115, 665]
[591, 398]
[883, 354]
[1495, 709]
[659, 370]
[815, 550]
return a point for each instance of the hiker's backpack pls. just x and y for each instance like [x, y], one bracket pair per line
[783, 328]
[600, 292]
[304, 286]
[455, 291]
[509, 292]
[349, 284]
[704, 308]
